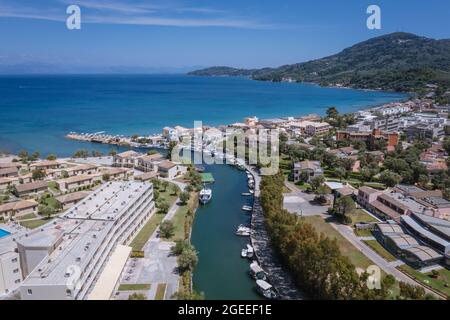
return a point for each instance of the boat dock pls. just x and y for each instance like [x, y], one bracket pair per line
[277, 275]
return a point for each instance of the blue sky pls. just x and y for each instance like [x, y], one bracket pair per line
[178, 33]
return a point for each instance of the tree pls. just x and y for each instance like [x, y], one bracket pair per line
[316, 182]
[180, 246]
[23, 154]
[38, 174]
[340, 173]
[172, 145]
[390, 178]
[35, 156]
[164, 185]
[106, 177]
[410, 292]
[303, 177]
[184, 197]
[152, 152]
[45, 210]
[166, 229]
[174, 189]
[187, 260]
[64, 174]
[332, 112]
[51, 157]
[112, 152]
[156, 183]
[163, 207]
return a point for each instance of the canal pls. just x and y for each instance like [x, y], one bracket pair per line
[221, 273]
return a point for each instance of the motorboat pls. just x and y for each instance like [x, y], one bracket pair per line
[244, 253]
[250, 251]
[257, 272]
[266, 289]
[243, 231]
[205, 195]
[246, 194]
[247, 208]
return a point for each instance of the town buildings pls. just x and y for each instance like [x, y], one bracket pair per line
[312, 168]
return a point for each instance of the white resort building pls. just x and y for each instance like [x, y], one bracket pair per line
[66, 258]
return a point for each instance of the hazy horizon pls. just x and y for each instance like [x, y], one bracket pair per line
[177, 36]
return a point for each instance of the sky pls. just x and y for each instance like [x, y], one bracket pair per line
[181, 33]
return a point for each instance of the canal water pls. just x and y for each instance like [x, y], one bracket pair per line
[221, 273]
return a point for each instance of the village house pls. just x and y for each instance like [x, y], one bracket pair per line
[17, 208]
[391, 138]
[313, 169]
[82, 169]
[148, 163]
[68, 200]
[75, 182]
[31, 188]
[147, 176]
[46, 165]
[167, 169]
[9, 172]
[116, 173]
[125, 159]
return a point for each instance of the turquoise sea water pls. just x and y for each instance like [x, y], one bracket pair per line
[37, 111]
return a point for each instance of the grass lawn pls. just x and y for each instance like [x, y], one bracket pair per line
[145, 233]
[160, 291]
[53, 186]
[363, 233]
[179, 219]
[303, 186]
[359, 215]
[32, 224]
[347, 249]
[438, 284]
[26, 216]
[134, 286]
[378, 248]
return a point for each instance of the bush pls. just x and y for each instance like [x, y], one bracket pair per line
[167, 229]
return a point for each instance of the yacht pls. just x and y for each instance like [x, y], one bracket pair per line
[205, 195]
[266, 289]
[243, 231]
[250, 251]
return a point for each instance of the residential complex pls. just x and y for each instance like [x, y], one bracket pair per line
[64, 258]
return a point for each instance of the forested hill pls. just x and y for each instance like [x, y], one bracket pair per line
[397, 61]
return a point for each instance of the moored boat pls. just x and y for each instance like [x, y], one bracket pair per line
[205, 195]
[266, 289]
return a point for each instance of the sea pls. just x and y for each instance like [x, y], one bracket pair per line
[37, 111]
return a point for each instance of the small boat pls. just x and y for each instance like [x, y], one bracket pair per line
[266, 289]
[257, 272]
[246, 194]
[205, 195]
[251, 191]
[244, 253]
[247, 208]
[250, 251]
[243, 231]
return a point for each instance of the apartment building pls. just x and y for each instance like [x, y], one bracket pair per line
[63, 260]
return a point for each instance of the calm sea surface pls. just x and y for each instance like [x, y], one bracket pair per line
[37, 111]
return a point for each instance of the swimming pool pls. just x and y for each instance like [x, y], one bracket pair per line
[4, 233]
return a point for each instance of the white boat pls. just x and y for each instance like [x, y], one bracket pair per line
[243, 231]
[266, 289]
[205, 195]
[251, 191]
[246, 194]
[250, 251]
[256, 271]
[247, 208]
[244, 253]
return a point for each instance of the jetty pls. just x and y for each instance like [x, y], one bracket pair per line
[266, 256]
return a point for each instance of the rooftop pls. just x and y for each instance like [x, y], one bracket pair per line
[17, 205]
[31, 186]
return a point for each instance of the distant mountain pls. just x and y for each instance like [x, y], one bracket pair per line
[397, 61]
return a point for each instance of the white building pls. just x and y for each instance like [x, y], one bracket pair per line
[63, 259]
